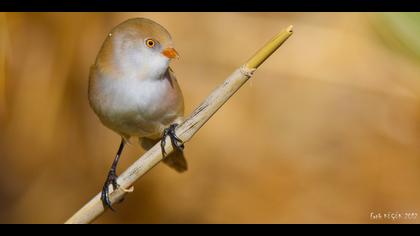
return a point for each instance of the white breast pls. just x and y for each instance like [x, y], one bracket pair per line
[136, 107]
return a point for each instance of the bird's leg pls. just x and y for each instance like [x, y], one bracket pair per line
[176, 142]
[112, 178]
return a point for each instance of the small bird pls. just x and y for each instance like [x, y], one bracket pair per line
[134, 92]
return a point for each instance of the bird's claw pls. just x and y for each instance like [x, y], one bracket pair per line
[111, 179]
[175, 140]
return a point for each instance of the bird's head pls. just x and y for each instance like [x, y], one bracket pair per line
[140, 47]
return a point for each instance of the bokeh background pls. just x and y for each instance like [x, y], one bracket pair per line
[328, 130]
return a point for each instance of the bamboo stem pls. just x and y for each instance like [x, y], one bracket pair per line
[184, 131]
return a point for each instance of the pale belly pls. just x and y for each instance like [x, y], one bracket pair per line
[138, 108]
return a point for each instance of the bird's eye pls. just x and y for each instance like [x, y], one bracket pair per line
[150, 43]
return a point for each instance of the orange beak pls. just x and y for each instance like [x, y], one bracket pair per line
[170, 53]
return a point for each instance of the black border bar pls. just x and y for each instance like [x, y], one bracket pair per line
[210, 5]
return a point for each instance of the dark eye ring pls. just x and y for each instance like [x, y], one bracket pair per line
[150, 43]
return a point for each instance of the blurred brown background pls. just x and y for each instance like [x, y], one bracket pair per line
[326, 132]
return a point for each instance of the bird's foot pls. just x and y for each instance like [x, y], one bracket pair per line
[111, 179]
[176, 142]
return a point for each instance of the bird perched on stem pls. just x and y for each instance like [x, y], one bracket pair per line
[134, 92]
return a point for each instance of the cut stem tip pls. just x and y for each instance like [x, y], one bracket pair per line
[269, 48]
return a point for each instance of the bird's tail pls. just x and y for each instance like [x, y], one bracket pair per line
[175, 160]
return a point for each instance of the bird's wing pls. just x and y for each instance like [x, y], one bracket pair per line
[175, 85]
